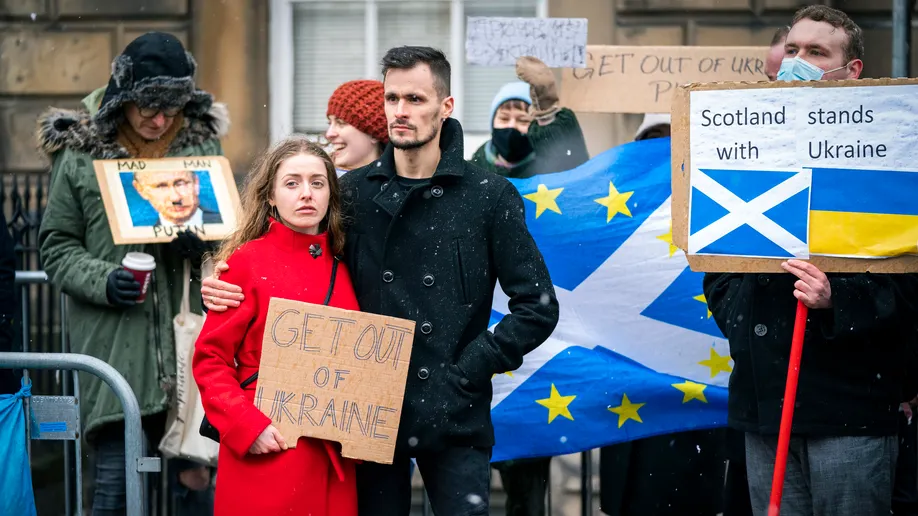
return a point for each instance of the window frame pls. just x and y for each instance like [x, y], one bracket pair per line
[281, 56]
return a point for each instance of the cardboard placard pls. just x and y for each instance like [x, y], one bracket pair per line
[335, 374]
[805, 140]
[496, 41]
[629, 79]
[151, 200]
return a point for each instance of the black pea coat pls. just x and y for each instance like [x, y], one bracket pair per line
[434, 255]
[853, 373]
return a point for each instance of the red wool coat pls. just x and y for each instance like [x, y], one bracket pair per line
[311, 479]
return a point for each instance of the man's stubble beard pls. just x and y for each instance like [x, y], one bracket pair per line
[416, 144]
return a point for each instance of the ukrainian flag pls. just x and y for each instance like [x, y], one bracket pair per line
[863, 213]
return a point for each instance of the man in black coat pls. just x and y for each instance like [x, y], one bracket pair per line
[430, 235]
[856, 347]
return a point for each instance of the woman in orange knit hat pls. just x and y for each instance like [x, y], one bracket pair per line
[357, 131]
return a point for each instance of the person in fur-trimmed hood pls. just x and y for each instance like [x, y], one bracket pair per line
[150, 109]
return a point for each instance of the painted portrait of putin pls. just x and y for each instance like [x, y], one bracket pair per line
[175, 195]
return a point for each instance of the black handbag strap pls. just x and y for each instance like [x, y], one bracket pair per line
[331, 288]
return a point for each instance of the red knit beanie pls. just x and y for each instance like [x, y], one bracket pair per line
[361, 104]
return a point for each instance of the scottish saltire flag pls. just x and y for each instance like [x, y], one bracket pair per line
[636, 352]
[754, 213]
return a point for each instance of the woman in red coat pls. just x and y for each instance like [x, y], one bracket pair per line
[288, 236]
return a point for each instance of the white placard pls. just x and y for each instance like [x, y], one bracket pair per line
[786, 132]
[796, 128]
[496, 41]
[859, 127]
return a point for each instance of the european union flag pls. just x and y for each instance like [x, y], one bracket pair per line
[635, 353]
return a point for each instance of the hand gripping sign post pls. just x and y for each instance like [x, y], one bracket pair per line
[820, 171]
[335, 374]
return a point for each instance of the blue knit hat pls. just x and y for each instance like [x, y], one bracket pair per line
[511, 91]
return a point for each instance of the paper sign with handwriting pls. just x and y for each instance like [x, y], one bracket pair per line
[620, 79]
[335, 374]
[558, 42]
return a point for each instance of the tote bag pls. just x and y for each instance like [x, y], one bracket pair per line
[182, 438]
[16, 495]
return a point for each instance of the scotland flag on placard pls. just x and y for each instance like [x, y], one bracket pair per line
[636, 352]
[753, 213]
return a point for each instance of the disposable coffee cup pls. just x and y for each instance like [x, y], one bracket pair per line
[141, 265]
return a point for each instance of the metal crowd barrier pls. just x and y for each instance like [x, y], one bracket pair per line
[58, 417]
[135, 463]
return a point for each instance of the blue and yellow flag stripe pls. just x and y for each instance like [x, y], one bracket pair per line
[869, 213]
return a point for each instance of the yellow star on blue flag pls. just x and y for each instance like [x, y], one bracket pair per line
[557, 405]
[545, 199]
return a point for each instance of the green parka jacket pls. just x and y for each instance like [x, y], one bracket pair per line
[78, 253]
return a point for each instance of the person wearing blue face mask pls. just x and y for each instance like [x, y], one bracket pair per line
[860, 341]
[823, 44]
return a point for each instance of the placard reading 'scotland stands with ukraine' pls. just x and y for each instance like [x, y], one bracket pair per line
[795, 172]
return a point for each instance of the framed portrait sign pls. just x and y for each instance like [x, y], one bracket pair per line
[151, 200]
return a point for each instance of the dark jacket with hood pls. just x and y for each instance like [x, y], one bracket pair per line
[433, 255]
[76, 244]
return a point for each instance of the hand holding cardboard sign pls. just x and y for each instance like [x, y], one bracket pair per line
[270, 441]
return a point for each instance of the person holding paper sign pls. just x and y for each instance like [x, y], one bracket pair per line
[530, 133]
[291, 230]
[843, 444]
[429, 237]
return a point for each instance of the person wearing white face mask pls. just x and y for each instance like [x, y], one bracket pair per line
[843, 446]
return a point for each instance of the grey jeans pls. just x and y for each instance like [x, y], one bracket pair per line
[829, 476]
[109, 496]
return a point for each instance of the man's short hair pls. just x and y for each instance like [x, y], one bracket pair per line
[405, 58]
[780, 35]
[854, 49]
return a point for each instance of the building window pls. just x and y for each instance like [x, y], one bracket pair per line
[335, 42]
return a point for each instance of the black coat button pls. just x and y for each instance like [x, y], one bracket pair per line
[423, 373]
[426, 328]
[436, 191]
[388, 276]
[428, 280]
[763, 280]
[760, 330]
[384, 186]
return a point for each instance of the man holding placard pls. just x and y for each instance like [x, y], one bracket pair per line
[150, 109]
[843, 443]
